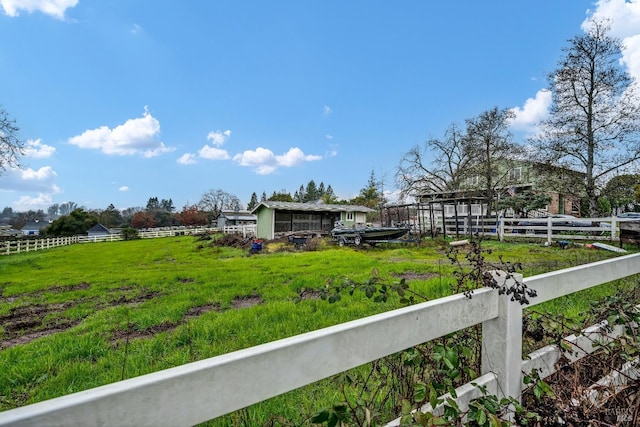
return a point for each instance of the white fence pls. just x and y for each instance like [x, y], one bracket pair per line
[200, 391]
[9, 247]
[549, 229]
[562, 228]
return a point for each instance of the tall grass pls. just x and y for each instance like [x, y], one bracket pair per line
[123, 309]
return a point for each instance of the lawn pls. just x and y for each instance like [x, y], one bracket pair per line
[81, 316]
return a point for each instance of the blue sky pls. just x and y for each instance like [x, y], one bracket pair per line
[123, 100]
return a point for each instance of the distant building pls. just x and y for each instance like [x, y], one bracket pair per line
[512, 178]
[32, 228]
[99, 230]
[7, 231]
[236, 218]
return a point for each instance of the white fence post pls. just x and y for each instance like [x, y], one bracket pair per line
[502, 342]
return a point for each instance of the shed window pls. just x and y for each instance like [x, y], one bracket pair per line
[515, 174]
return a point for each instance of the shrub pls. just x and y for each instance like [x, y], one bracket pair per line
[130, 234]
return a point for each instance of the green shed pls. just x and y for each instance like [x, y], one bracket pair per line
[282, 218]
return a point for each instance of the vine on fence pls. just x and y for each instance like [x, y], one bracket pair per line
[397, 384]
[420, 375]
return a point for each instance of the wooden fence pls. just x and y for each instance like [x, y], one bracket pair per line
[203, 390]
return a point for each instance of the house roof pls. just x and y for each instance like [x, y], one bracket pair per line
[99, 228]
[239, 215]
[311, 207]
[6, 230]
[34, 225]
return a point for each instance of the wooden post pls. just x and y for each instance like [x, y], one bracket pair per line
[502, 342]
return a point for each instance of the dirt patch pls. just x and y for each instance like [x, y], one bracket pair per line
[54, 289]
[134, 299]
[198, 310]
[305, 294]
[246, 301]
[25, 339]
[58, 289]
[412, 275]
[193, 312]
[26, 323]
[145, 333]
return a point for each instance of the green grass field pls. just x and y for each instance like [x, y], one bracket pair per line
[81, 316]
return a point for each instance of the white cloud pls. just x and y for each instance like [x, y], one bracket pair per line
[264, 161]
[329, 136]
[27, 203]
[34, 148]
[213, 153]
[55, 8]
[158, 151]
[41, 180]
[187, 159]
[534, 110]
[135, 29]
[124, 188]
[624, 16]
[326, 110]
[219, 138]
[135, 136]
[295, 156]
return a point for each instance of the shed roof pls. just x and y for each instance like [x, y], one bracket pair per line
[311, 207]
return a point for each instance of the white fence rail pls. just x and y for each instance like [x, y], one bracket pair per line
[561, 229]
[200, 391]
[550, 229]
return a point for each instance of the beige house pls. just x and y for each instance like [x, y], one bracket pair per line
[514, 177]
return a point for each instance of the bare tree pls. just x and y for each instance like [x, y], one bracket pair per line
[594, 120]
[489, 145]
[11, 146]
[437, 166]
[67, 208]
[215, 201]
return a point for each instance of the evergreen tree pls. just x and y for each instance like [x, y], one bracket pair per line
[321, 190]
[253, 202]
[110, 217]
[329, 196]
[311, 192]
[153, 204]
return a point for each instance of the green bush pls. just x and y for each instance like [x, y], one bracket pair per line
[130, 234]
